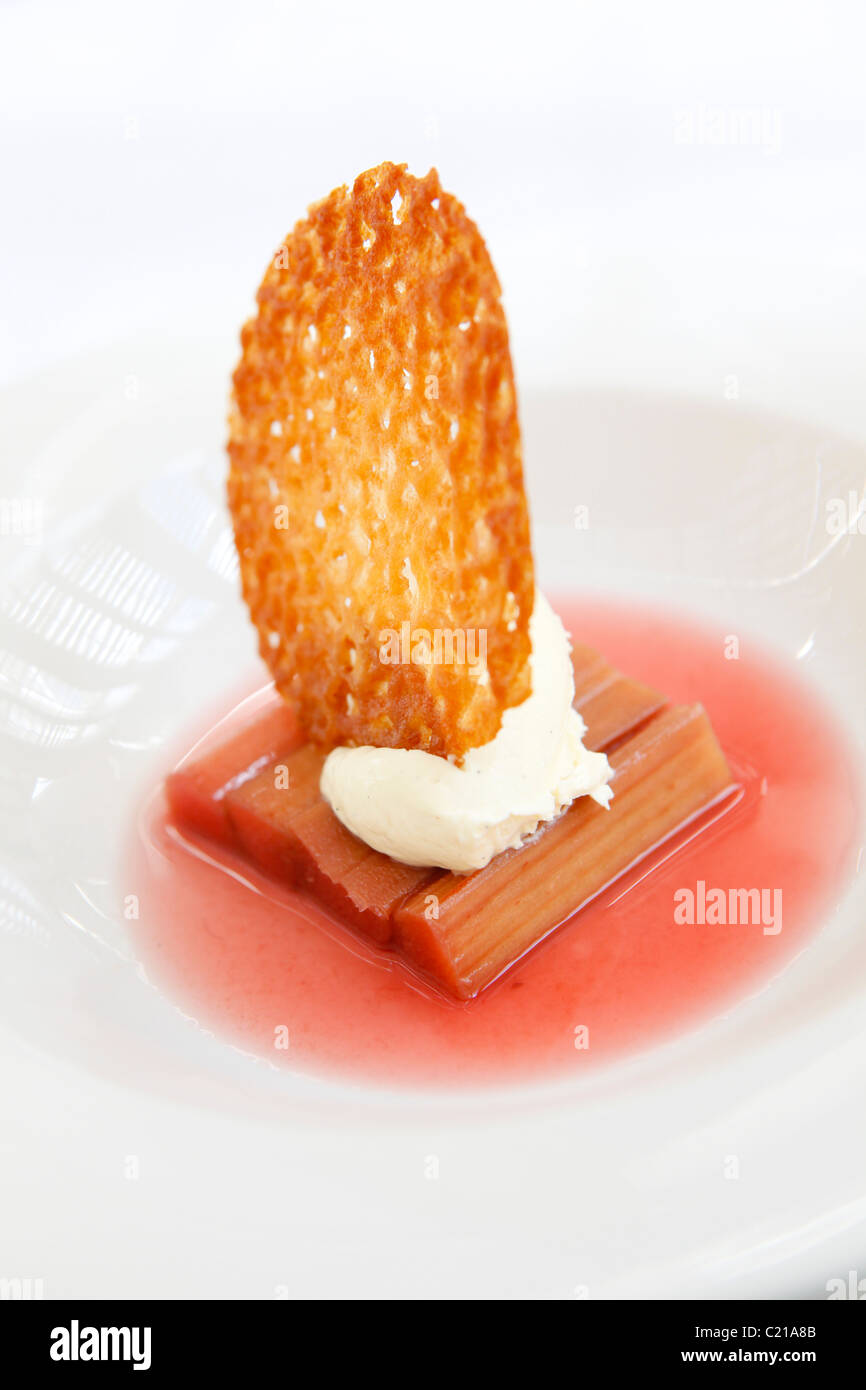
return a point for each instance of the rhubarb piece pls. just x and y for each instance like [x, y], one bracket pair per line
[375, 888]
[285, 827]
[197, 789]
[611, 705]
[616, 710]
[361, 886]
[666, 774]
[263, 809]
[591, 670]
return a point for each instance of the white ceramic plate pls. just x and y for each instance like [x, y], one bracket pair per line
[148, 1158]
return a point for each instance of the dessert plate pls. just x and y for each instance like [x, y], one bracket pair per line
[728, 1162]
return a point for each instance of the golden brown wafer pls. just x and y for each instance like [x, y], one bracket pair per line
[376, 476]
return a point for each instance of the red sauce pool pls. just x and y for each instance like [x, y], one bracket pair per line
[248, 961]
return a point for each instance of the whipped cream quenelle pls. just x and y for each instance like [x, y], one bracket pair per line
[422, 809]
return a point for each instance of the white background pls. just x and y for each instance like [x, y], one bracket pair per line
[155, 153]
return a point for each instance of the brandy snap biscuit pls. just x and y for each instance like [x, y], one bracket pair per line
[376, 482]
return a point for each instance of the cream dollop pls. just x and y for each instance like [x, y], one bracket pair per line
[422, 809]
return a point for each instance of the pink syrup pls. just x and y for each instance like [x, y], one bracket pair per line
[257, 964]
